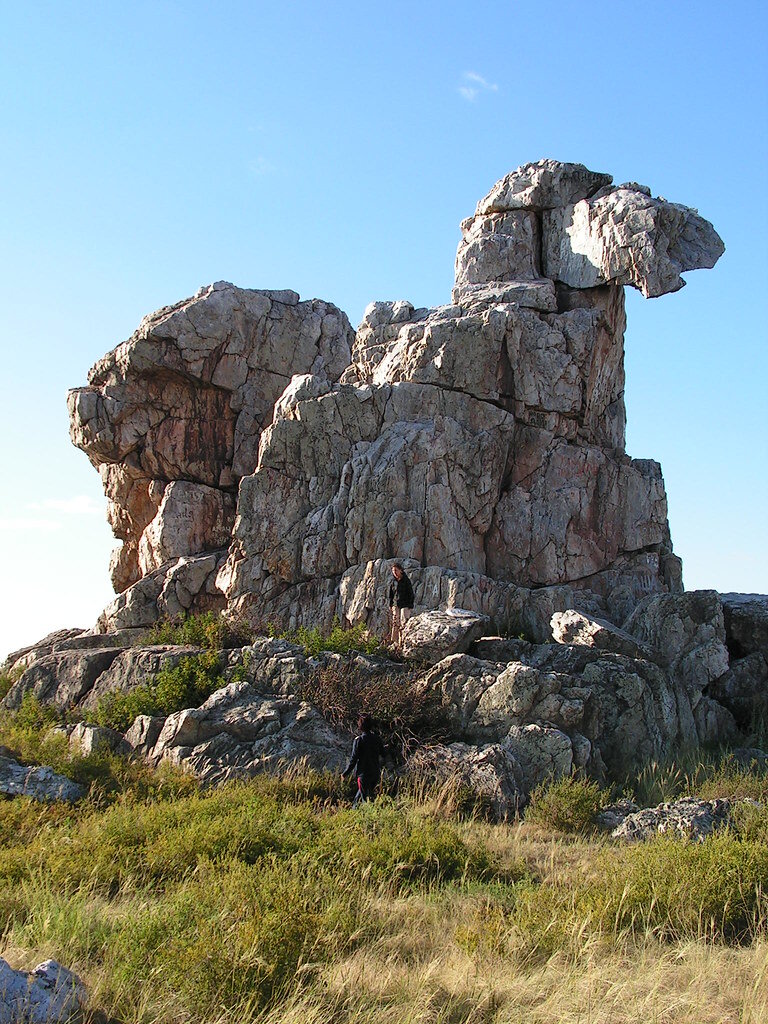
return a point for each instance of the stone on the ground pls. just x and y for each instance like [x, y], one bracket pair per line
[490, 772]
[39, 782]
[50, 994]
[690, 817]
[432, 636]
[238, 733]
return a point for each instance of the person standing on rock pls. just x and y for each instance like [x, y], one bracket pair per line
[365, 760]
[400, 604]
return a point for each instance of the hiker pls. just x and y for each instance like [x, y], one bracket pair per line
[400, 604]
[365, 760]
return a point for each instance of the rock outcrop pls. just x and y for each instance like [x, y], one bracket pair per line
[260, 456]
[50, 994]
[509, 714]
[173, 416]
[38, 782]
[482, 440]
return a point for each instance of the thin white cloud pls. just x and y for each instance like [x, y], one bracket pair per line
[474, 84]
[78, 505]
[261, 166]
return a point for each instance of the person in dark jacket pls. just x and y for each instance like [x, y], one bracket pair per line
[400, 603]
[365, 760]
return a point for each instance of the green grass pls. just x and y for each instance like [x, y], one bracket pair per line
[701, 772]
[178, 904]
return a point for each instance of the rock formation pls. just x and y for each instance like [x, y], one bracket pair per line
[260, 456]
[482, 442]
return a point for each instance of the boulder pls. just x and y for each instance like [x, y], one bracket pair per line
[490, 773]
[574, 627]
[689, 817]
[85, 738]
[238, 733]
[50, 994]
[61, 679]
[39, 782]
[432, 636]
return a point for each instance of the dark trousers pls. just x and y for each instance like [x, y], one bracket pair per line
[366, 788]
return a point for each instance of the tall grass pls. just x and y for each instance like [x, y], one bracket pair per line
[274, 901]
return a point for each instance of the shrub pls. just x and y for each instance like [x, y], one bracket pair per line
[338, 641]
[208, 629]
[8, 678]
[186, 685]
[567, 805]
[397, 701]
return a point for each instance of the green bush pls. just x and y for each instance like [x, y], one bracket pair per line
[186, 685]
[338, 641]
[207, 629]
[567, 805]
[7, 679]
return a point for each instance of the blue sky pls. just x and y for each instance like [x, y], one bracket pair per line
[333, 149]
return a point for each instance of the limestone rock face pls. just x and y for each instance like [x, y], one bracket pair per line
[564, 707]
[172, 417]
[622, 234]
[483, 438]
[746, 624]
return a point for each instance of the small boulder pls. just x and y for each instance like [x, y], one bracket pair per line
[491, 772]
[36, 781]
[690, 817]
[575, 627]
[51, 994]
[432, 636]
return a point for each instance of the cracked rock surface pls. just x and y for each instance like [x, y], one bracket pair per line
[484, 438]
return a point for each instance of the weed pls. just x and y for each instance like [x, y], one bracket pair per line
[338, 641]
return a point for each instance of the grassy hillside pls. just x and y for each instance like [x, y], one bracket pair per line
[275, 901]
